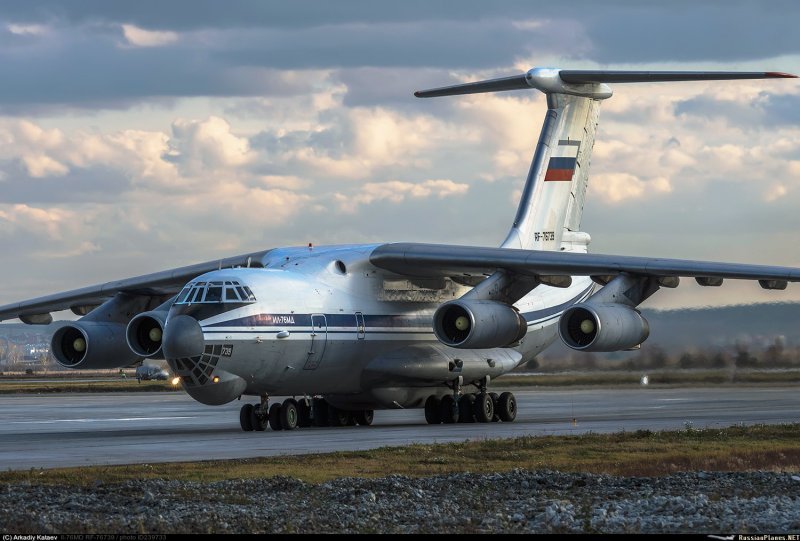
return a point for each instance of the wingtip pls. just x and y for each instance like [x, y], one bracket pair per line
[781, 75]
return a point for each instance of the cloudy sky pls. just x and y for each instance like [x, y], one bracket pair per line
[145, 135]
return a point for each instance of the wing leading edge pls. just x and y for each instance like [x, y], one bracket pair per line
[415, 259]
[167, 282]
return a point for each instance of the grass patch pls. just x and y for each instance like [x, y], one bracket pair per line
[640, 453]
[66, 386]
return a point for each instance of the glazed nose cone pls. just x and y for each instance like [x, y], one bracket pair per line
[183, 337]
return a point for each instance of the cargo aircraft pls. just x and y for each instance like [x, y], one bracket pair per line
[347, 330]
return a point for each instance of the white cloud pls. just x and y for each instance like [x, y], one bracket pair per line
[27, 29]
[139, 37]
[200, 146]
[397, 191]
[617, 187]
[40, 165]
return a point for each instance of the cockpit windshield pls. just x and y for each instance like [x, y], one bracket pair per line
[215, 293]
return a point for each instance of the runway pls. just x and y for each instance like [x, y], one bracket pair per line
[46, 431]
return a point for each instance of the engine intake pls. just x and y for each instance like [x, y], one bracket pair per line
[145, 333]
[602, 327]
[473, 324]
[92, 344]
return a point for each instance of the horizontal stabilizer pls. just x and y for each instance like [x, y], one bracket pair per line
[516, 82]
[592, 76]
[552, 80]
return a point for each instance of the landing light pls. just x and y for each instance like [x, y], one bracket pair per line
[216, 379]
[176, 381]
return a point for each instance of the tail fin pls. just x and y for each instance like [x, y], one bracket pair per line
[551, 206]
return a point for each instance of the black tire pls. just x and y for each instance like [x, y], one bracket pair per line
[507, 406]
[465, 409]
[258, 423]
[496, 401]
[449, 409]
[244, 417]
[289, 414]
[483, 408]
[364, 417]
[338, 417]
[319, 411]
[304, 413]
[275, 416]
[433, 410]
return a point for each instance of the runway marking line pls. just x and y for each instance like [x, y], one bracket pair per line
[53, 421]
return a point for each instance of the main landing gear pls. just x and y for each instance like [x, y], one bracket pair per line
[480, 407]
[302, 413]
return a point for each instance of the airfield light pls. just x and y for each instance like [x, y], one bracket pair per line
[176, 381]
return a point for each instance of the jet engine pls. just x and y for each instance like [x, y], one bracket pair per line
[602, 327]
[478, 324]
[92, 344]
[145, 332]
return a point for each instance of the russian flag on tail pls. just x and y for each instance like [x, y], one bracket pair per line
[562, 163]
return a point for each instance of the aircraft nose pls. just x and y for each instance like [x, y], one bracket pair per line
[183, 337]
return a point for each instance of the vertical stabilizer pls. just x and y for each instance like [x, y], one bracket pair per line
[551, 206]
[554, 193]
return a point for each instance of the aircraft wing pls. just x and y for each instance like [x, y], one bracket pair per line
[414, 259]
[165, 283]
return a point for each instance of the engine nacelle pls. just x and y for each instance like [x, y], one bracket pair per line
[477, 324]
[92, 344]
[145, 333]
[602, 327]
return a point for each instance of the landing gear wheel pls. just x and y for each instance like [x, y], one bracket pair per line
[495, 401]
[275, 416]
[507, 406]
[289, 414]
[304, 413]
[258, 422]
[449, 410]
[433, 410]
[483, 408]
[465, 409]
[319, 410]
[244, 417]
[364, 417]
[337, 417]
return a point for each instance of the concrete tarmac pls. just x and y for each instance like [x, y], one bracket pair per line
[46, 431]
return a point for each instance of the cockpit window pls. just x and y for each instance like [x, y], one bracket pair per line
[213, 292]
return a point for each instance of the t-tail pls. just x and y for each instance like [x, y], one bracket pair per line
[551, 206]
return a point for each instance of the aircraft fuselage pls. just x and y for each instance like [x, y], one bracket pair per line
[325, 321]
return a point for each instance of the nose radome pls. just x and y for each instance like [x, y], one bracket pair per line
[183, 337]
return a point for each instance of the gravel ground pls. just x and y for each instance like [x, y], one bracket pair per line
[517, 501]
